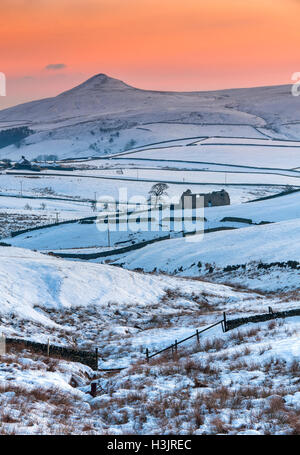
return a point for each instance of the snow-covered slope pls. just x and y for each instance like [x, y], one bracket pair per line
[43, 297]
[266, 243]
[36, 287]
[30, 280]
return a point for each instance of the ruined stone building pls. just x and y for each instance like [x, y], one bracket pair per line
[191, 200]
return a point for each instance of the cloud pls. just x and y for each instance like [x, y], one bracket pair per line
[55, 66]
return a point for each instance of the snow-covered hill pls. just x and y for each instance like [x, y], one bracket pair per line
[104, 115]
[104, 96]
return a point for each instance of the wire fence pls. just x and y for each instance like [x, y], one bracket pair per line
[174, 346]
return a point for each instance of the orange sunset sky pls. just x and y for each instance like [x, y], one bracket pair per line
[47, 46]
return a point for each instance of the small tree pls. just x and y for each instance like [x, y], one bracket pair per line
[158, 190]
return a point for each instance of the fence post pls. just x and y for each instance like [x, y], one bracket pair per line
[149, 219]
[160, 217]
[224, 321]
[176, 346]
[48, 347]
[147, 355]
[2, 344]
[93, 389]
[96, 353]
[198, 337]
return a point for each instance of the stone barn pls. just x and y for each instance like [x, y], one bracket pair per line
[191, 200]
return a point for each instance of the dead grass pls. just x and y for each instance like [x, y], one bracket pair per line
[218, 426]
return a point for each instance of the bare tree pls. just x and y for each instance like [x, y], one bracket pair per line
[158, 190]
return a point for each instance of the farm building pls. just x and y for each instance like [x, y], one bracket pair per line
[191, 200]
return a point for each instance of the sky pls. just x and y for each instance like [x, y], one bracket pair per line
[48, 46]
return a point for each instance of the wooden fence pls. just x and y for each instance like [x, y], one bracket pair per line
[228, 324]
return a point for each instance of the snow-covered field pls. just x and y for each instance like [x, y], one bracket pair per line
[245, 382]
[279, 155]
[79, 236]
[212, 177]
